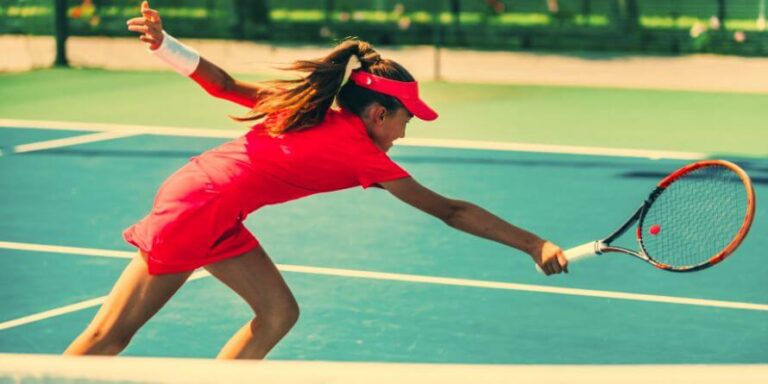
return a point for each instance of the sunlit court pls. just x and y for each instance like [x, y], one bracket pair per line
[555, 130]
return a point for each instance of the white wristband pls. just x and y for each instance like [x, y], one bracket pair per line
[182, 58]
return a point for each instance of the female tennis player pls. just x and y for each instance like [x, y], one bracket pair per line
[301, 145]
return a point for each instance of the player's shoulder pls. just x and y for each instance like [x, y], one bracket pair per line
[344, 124]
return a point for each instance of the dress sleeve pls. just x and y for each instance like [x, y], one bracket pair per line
[376, 167]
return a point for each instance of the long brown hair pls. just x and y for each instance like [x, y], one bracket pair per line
[302, 103]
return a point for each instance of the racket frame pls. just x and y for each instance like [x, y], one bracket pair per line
[604, 245]
[638, 217]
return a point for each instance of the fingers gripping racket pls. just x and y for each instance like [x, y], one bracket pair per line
[695, 218]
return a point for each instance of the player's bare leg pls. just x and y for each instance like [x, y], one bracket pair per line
[134, 299]
[255, 278]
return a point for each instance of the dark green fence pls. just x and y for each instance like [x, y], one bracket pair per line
[672, 26]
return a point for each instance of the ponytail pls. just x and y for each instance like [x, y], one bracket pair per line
[302, 103]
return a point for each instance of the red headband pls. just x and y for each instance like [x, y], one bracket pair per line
[407, 92]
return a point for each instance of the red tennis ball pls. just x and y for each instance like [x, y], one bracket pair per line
[655, 229]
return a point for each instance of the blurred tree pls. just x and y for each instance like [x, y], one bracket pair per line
[627, 15]
[553, 6]
[496, 7]
[250, 14]
[456, 13]
[561, 15]
[329, 7]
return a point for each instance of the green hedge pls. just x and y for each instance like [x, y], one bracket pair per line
[660, 26]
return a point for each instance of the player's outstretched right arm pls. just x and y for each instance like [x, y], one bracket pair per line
[475, 220]
[188, 62]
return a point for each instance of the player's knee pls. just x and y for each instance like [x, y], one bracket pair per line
[291, 315]
[288, 315]
[282, 317]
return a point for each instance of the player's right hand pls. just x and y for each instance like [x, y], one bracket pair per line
[550, 258]
[149, 25]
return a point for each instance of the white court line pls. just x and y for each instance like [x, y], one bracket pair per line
[390, 277]
[67, 250]
[521, 287]
[52, 313]
[65, 142]
[411, 142]
[137, 129]
[72, 308]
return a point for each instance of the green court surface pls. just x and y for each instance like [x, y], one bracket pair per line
[491, 310]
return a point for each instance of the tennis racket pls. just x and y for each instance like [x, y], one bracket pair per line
[695, 218]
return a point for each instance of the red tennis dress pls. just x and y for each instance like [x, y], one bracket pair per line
[198, 212]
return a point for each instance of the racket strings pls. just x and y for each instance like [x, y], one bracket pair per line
[695, 218]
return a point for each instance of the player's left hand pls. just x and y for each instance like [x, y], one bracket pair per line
[149, 25]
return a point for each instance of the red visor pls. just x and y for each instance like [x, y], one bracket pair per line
[407, 92]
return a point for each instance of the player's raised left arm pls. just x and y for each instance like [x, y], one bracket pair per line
[220, 84]
[475, 220]
[188, 62]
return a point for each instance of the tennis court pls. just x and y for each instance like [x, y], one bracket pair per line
[376, 280]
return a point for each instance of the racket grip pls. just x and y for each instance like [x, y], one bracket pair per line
[587, 250]
[593, 248]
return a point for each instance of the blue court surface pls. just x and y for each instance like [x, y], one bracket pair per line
[377, 280]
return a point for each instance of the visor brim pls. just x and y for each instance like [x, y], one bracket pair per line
[420, 109]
